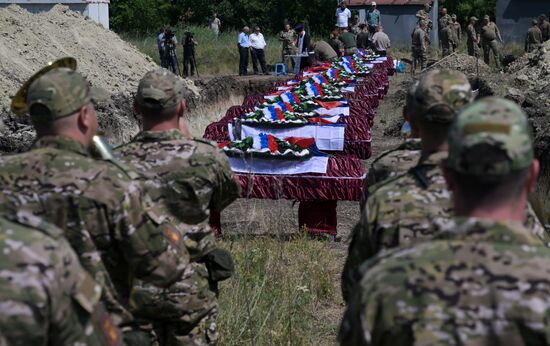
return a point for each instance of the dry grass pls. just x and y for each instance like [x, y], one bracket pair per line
[279, 293]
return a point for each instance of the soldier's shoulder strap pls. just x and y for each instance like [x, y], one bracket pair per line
[205, 141]
[419, 174]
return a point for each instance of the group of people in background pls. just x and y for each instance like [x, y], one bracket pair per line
[167, 43]
[299, 50]
[487, 36]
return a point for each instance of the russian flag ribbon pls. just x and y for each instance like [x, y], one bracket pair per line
[332, 73]
[273, 113]
[268, 141]
[314, 90]
[319, 79]
[289, 97]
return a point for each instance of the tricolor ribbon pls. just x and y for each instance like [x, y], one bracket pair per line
[268, 141]
[319, 79]
[315, 90]
[273, 113]
[289, 97]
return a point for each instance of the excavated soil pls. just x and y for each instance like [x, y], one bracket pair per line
[465, 64]
[29, 41]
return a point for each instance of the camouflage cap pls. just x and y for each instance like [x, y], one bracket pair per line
[490, 138]
[161, 88]
[60, 92]
[441, 94]
[486, 17]
[534, 22]
[473, 18]
[453, 16]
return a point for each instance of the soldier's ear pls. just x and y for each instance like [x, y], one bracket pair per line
[181, 108]
[447, 175]
[534, 171]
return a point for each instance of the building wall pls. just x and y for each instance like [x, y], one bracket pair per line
[96, 10]
[400, 21]
[513, 17]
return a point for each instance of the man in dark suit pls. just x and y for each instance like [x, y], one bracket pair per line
[303, 45]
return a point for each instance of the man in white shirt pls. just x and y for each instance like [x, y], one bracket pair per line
[257, 42]
[215, 25]
[343, 15]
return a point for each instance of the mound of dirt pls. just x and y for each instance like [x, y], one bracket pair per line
[530, 81]
[29, 41]
[465, 64]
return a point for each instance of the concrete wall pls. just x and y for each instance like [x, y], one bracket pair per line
[513, 17]
[96, 10]
[400, 21]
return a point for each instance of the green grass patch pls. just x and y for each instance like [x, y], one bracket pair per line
[283, 292]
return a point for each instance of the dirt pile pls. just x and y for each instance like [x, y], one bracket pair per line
[530, 81]
[465, 64]
[28, 41]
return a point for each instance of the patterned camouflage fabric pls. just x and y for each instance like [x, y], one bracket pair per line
[472, 38]
[187, 177]
[112, 226]
[46, 298]
[62, 91]
[483, 283]
[534, 37]
[415, 204]
[496, 121]
[479, 281]
[394, 162]
[288, 38]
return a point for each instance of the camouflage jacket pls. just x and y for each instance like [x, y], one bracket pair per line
[194, 175]
[46, 298]
[188, 177]
[480, 283]
[403, 208]
[472, 35]
[412, 207]
[394, 162]
[110, 224]
[288, 38]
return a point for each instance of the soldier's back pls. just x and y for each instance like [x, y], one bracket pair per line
[394, 161]
[46, 296]
[115, 235]
[474, 285]
[189, 176]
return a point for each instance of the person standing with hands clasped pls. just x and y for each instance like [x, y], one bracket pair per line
[243, 43]
[257, 42]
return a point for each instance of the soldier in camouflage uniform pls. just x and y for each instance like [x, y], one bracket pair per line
[472, 38]
[406, 206]
[287, 37]
[398, 160]
[424, 14]
[415, 206]
[457, 32]
[419, 47]
[534, 37]
[188, 177]
[115, 230]
[490, 36]
[483, 281]
[46, 298]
